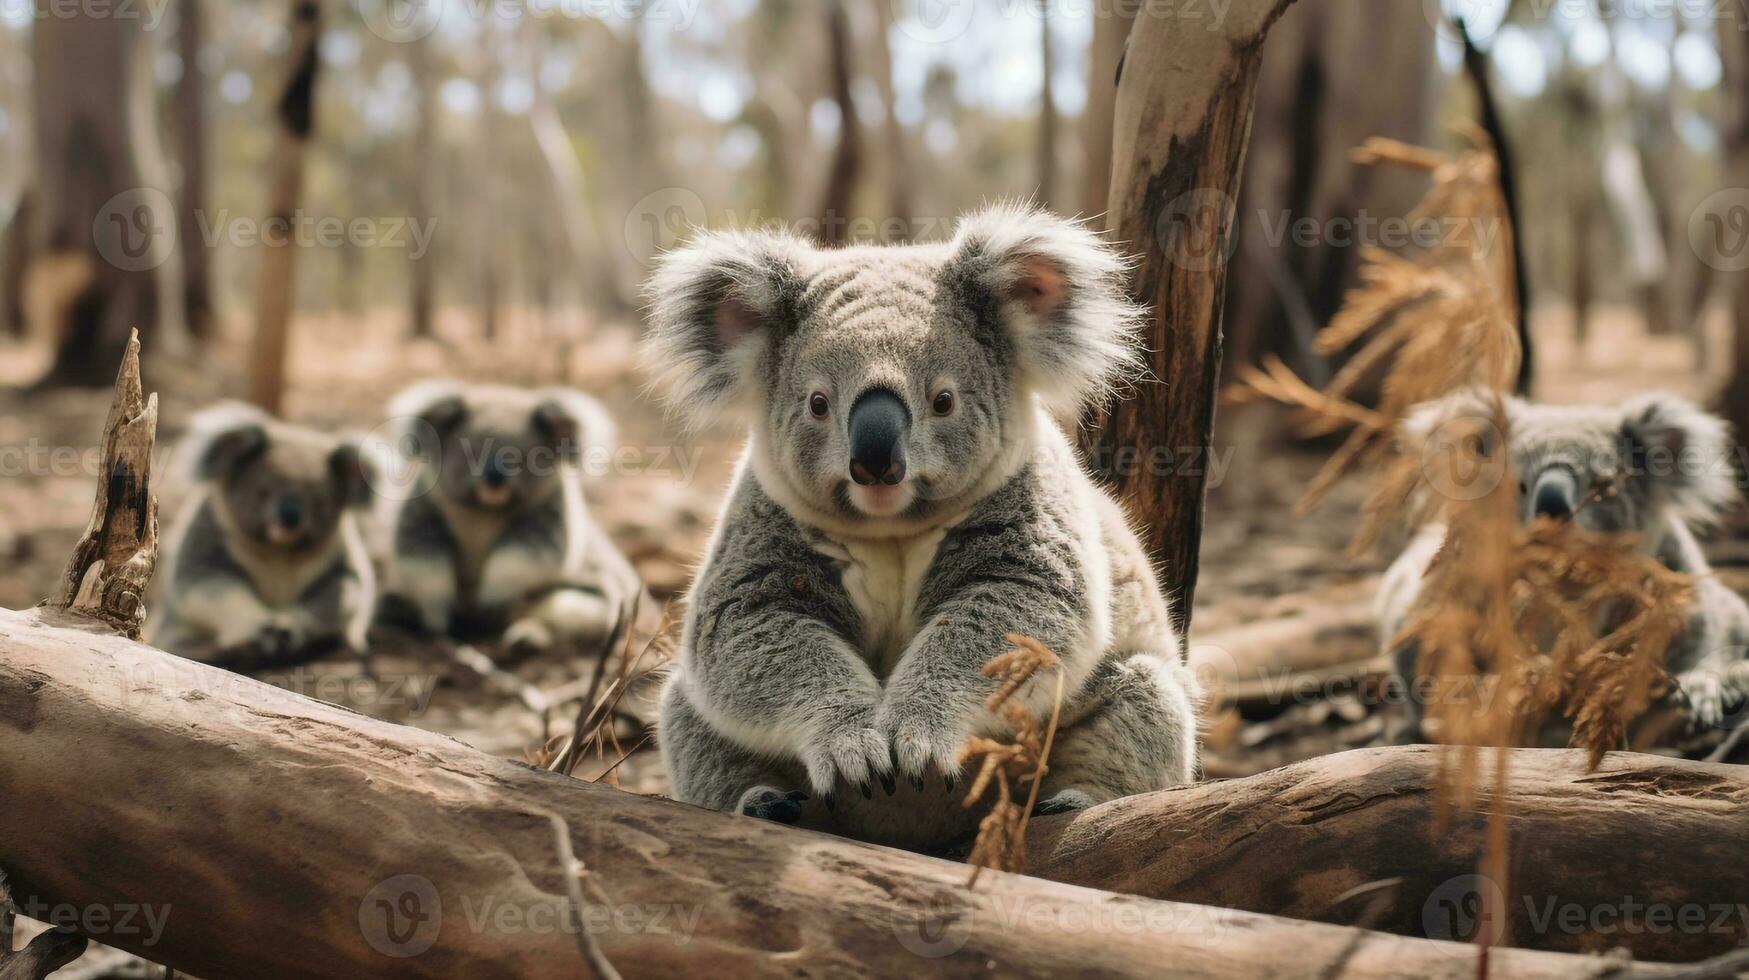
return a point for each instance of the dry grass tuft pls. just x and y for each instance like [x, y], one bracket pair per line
[593, 733]
[1437, 320]
[1001, 841]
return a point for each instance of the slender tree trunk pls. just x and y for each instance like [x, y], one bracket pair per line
[189, 113]
[1111, 28]
[422, 275]
[1183, 118]
[835, 207]
[275, 288]
[488, 238]
[95, 240]
[1047, 111]
[14, 259]
[893, 159]
[1733, 226]
[1582, 223]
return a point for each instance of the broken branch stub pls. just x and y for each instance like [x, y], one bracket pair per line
[111, 565]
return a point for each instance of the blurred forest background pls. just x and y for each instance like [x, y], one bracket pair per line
[497, 169]
[308, 203]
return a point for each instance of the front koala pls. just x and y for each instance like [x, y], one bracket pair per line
[905, 500]
[266, 558]
[1657, 467]
[494, 536]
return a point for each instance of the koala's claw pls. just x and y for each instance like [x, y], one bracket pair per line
[1067, 801]
[765, 803]
[888, 783]
[1705, 698]
[853, 754]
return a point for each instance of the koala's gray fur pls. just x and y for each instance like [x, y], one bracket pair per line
[834, 633]
[1670, 467]
[266, 557]
[493, 535]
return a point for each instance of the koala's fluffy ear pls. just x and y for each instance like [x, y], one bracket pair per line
[428, 408]
[353, 472]
[1425, 419]
[1060, 293]
[713, 307]
[1683, 454]
[573, 423]
[221, 438]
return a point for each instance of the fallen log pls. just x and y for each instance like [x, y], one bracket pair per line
[1646, 853]
[268, 834]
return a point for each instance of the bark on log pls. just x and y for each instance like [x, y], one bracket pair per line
[282, 836]
[1351, 838]
[1183, 117]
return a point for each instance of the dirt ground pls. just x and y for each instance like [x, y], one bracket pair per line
[1260, 557]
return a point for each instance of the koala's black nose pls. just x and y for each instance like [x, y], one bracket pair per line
[494, 473]
[290, 512]
[878, 422]
[1556, 494]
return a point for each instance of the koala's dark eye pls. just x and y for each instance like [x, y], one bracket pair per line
[819, 405]
[943, 404]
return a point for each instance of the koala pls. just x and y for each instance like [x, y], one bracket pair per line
[493, 537]
[1656, 466]
[266, 558]
[905, 499]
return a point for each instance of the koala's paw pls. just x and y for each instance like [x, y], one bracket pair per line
[920, 739]
[1704, 694]
[852, 751]
[527, 637]
[1066, 801]
[765, 803]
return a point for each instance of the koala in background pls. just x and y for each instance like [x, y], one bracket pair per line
[906, 498]
[495, 537]
[266, 557]
[1671, 469]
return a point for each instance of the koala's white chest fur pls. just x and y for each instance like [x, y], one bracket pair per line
[882, 578]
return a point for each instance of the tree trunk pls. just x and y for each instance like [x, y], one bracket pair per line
[1111, 28]
[1476, 65]
[189, 114]
[95, 242]
[896, 171]
[275, 287]
[1326, 86]
[1732, 223]
[1183, 116]
[835, 207]
[288, 837]
[1581, 224]
[1356, 837]
[14, 260]
[422, 280]
[1047, 112]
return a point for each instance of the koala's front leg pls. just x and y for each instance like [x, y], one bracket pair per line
[232, 616]
[773, 678]
[935, 698]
